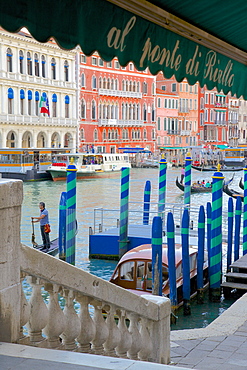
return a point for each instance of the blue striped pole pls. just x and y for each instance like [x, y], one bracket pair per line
[238, 212]
[171, 261]
[157, 256]
[186, 262]
[162, 186]
[200, 254]
[216, 242]
[71, 214]
[124, 211]
[62, 226]
[187, 179]
[230, 234]
[209, 235]
[245, 214]
[146, 204]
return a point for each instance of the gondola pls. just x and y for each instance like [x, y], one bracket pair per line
[199, 188]
[241, 185]
[214, 169]
[52, 251]
[233, 193]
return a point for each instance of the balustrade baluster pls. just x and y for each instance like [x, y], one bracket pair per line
[114, 333]
[102, 331]
[56, 322]
[147, 346]
[126, 340]
[136, 337]
[88, 329]
[38, 311]
[25, 310]
[72, 322]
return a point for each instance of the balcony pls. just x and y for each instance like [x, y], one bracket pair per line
[231, 106]
[183, 109]
[173, 132]
[185, 132]
[220, 105]
[210, 139]
[120, 93]
[233, 121]
[120, 122]
[220, 123]
[34, 120]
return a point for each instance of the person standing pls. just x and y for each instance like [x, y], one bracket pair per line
[182, 174]
[43, 219]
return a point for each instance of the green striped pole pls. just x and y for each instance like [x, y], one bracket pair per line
[124, 211]
[71, 214]
[187, 179]
[157, 256]
[162, 187]
[216, 241]
[245, 214]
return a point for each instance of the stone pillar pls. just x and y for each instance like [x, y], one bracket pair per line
[11, 194]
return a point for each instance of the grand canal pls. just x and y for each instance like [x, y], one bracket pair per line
[105, 193]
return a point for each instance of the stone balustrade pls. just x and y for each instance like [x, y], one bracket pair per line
[132, 326]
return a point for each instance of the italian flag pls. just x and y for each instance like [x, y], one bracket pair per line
[44, 105]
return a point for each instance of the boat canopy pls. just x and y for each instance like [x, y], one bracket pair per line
[202, 41]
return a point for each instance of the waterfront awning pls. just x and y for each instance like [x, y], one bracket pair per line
[201, 40]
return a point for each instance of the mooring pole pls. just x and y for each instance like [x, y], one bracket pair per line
[62, 226]
[162, 187]
[171, 261]
[186, 262]
[146, 204]
[124, 211]
[200, 254]
[209, 235]
[238, 211]
[71, 214]
[245, 214]
[187, 179]
[157, 256]
[216, 241]
[230, 234]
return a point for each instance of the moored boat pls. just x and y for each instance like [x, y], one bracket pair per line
[233, 193]
[53, 250]
[199, 187]
[89, 165]
[214, 169]
[134, 271]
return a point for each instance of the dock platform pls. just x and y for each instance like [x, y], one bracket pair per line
[236, 279]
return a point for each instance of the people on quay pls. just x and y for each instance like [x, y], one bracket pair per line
[43, 219]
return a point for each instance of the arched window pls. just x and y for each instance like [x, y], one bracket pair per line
[153, 134]
[138, 86]
[22, 97]
[165, 126]
[153, 113]
[9, 60]
[116, 84]
[109, 134]
[130, 86]
[112, 84]
[93, 110]
[158, 124]
[108, 84]
[21, 57]
[144, 113]
[29, 64]
[104, 83]
[43, 65]
[82, 134]
[29, 98]
[83, 109]
[123, 85]
[95, 134]
[145, 88]
[134, 86]
[10, 100]
[66, 101]
[127, 85]
[94, 82]
[54, 105]
[104, 134]
[145, 134]
[53, 68]
[100, 83]
[66, 70]
[36, 64]
[36, 103]
[11, 138]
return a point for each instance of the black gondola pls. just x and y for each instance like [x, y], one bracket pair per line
[241, 185]
[200, 188]
[53, 250]
[214, 169]
[233, 193]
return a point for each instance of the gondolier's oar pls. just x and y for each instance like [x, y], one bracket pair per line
[33, 237]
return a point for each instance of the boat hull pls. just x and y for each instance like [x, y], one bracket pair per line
[30, 175]
[61, 175]
[199, 189]
[205, 169]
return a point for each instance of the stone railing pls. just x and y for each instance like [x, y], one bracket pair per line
[145, 338]
[135, 327]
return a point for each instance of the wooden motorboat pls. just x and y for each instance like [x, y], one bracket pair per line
[233, 193]
[134, 271]
[214, 169]
[198, 188]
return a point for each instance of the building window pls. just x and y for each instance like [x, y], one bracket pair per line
[22, 97]
[164, 124]
[117, 65]
[165, 103]
[9, 60]
[36, 65]
[144, 88]
[83, 82]
[29, 98]
[53, 68]
[131, 67]
[100, 62]
[159, 103]
[158, 124]
[153, 113]
[180, 87]
[36, 103]
[144, 112]
[10, 100]
[54, 105]
[93, 110]
[83, 109]
[66, 71]
[174, 87]
[94, 61]
[43, 65]
[21, 57]
[29, 64]
[66, 101]
[94, 82]
[163, 87]
[82, 134]
[153, 134]
[83, 58]
[109, 64]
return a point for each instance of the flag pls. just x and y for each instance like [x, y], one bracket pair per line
[44, 105]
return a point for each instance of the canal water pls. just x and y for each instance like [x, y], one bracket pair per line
[105, 193]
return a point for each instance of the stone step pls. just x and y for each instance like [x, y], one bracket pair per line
[236, 275]
[234, 285]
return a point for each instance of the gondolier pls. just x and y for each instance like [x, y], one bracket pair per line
[44, 220]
